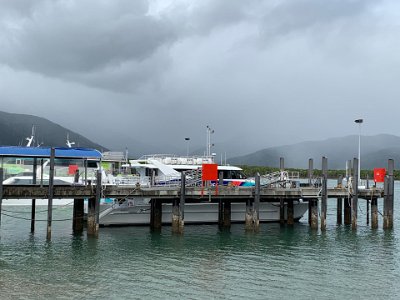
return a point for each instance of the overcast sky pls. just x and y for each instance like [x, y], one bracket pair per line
[260, 73]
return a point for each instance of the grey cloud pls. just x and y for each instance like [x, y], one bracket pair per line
[296, 16]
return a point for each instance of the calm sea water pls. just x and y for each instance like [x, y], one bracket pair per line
[204, 263]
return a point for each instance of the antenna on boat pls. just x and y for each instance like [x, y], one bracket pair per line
[69, 144]
[31, 139]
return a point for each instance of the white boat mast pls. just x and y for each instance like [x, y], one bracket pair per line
[31, 139]
[69, 144]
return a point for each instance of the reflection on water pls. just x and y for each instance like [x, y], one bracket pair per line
[134, 263]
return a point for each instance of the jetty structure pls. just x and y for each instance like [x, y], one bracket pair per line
[315, 191]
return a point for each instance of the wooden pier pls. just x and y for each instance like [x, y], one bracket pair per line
[345, 197]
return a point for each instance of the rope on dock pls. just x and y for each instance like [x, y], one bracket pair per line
[37, 211]
[39, 220]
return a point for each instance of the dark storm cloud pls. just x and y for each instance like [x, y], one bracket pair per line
[84, 40]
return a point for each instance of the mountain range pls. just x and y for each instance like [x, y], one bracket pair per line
[15, 128]
[375, 150]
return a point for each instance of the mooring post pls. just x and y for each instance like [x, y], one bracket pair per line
[227, 206]
[155, 214]
[1, 191]
[182, 203]
[290, 212]
[314, 213]
[324, 192]
[347, 200]
[175, 215]
[91, 216]
[339, 203]
[78, 210]
[374, 213]
[354, 198]
[33, 210]
[220, 203]
[281, 211]
[94, 209]
[249, 215]
[256, 204]
[51, 193]
[389, 195]
[310, 171]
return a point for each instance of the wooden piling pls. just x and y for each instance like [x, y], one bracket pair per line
[324, 192]
[310, 171]
[91, 217]
[155, 214]
[227, 206]
[175, 216]
[33, 210]
[78, 210]
[374, 213]
[78, 214]
[51, 193]
[347, 210]
[256, 204]
[389, 197]
[290, 212]
[249, 215]
[339, 209]
[354, 198]
[182, 203]
[314, 213]
[281, 211]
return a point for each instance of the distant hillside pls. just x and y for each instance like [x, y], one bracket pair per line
[15, 128]
[375, 152]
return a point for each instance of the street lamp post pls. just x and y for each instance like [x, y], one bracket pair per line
[187, 139]
[209, 132]
[359, 122]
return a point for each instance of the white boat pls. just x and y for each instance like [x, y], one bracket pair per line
[165, 169]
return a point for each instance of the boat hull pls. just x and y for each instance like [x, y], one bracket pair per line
[195, 213]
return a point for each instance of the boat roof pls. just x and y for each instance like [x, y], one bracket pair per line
[44, 152]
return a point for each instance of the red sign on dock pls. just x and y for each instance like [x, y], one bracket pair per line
[210, 172]
[379, 174]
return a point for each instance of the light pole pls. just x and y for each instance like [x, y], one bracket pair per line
[187, 139]
[359, 122]
[209, 132]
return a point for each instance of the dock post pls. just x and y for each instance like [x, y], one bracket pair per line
[249, 215]
[51, 193]
[91, 216]
[175, 215]
[181, 203]
[227, 207]
[374, 213]
[155, 214]
[314, 213]
[281, 211]
[354, 198]
[290, 212]
[310, 176]
[256, 204]
[324, 192]
[310, 171]
[339, 209]
[33, 210]
[388, 199]
[347, 210]
[1, 191]
[78, 210]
